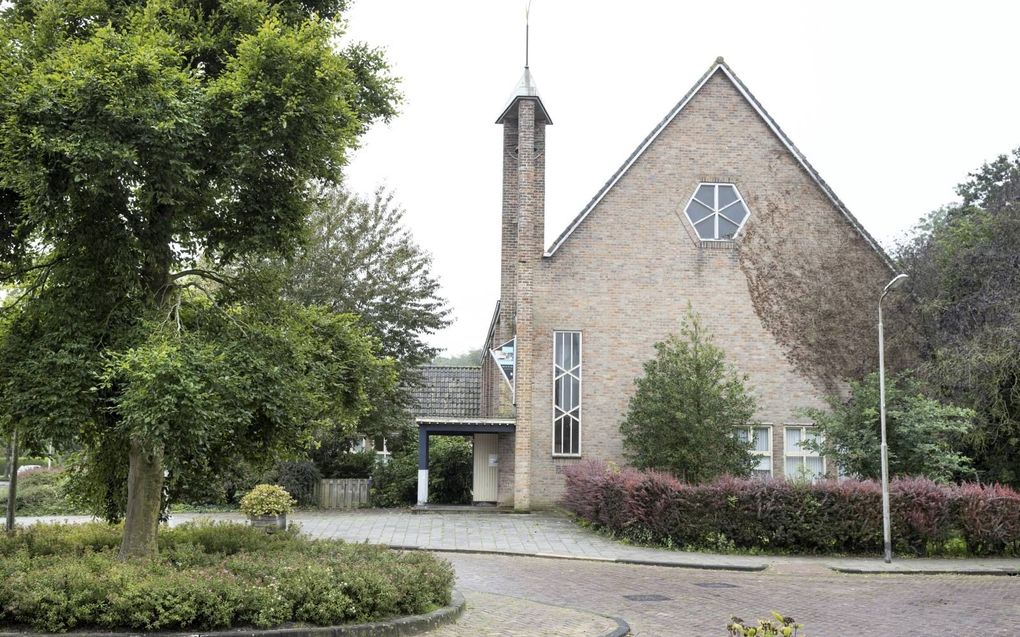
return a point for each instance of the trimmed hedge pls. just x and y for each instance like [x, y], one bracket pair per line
[843, 516]
[56, 578]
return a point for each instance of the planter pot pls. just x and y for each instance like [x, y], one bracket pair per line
[269, 522]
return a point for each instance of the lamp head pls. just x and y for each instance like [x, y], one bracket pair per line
[896, 282]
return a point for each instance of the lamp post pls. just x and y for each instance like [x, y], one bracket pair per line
[886, 522]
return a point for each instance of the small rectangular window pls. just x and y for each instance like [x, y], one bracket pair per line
[566, 393]
[801, 462]
[761, 438]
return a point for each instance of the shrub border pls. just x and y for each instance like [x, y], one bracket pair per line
[396, 627]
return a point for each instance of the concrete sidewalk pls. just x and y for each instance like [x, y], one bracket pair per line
[557, 536]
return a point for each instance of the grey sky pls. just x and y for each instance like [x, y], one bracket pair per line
[893, 103]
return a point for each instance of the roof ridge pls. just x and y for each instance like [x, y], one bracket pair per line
[717, 66]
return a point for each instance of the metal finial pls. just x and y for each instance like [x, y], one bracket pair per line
[527, 16]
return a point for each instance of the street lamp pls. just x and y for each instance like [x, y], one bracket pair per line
[886, 523]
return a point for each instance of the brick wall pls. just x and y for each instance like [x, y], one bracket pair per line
[628, 273]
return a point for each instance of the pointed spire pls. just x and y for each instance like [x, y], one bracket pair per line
[526, 87]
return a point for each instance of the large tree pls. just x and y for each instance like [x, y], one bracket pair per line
[685, 410]
[964, 266]
[360, 258]
[149, 152]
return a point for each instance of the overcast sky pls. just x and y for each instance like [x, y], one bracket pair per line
[892, 102]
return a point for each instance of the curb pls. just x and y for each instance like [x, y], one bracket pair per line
[413, 625]
[583, 558]
[622, 628]
[870, 570]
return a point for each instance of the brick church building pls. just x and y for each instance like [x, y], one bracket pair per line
[716, 210]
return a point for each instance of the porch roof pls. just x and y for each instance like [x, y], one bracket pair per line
[465, 425]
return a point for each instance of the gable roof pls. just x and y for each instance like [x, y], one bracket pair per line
[720, 66]
[448, 392]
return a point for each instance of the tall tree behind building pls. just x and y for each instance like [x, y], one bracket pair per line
[964, 266]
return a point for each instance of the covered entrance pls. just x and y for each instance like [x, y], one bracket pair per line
[484, 433]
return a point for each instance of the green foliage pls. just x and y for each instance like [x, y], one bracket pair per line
[267, 499]
[153, 156]
[925, 436]
[965, 286]
[299, 478]
[777, 626]
[345, 463]
[450, 469]
[395, 483]
[42, 492]
[682, 417]
[361, 259]
[470, 358]
[56, 578]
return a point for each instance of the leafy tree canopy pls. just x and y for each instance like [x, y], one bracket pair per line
[964, 266]
[683, 415]
[924, 435]
[360, 258]
[152, 154]
[469, 358]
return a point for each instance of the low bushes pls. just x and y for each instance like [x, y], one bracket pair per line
[825, 517]
[42, 492]
[56, 578]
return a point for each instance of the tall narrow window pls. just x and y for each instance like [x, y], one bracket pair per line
[566, 393]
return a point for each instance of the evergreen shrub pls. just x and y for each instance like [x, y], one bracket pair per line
[212, 576]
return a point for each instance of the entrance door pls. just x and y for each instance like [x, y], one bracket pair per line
[486, 476]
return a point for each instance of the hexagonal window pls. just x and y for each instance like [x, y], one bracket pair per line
[717, 211]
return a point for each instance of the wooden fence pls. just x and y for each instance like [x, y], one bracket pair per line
[347, 493]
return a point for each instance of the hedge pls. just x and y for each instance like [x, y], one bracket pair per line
[832, 516]
[56, 578]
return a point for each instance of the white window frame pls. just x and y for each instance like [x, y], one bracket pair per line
[580, 393]
[716, 211]
[754, 452]
[804, 454]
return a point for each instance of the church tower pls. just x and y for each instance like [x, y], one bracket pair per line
[524, 121]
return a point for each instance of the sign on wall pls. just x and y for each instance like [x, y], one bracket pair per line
[506, 358]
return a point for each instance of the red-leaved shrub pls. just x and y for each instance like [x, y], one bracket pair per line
[830, 516]
[989, 517]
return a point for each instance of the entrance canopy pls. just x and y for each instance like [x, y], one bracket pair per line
[431, 426]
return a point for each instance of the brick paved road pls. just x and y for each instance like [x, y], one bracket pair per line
[829, 604]
[506, 616]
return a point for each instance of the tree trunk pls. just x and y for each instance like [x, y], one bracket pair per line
[145, 468]
[12, 486]
[145, 493]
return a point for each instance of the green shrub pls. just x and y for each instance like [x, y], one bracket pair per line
[777, 626]
[450, 469]
[42, 492]
[395, 483]
[349, 464]
[209, 576]
[299, 478]
[267, 499]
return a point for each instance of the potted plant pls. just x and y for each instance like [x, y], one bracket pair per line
[267, 506]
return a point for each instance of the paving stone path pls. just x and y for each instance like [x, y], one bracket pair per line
[490, 614]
